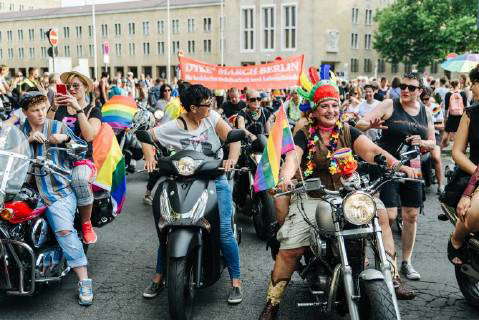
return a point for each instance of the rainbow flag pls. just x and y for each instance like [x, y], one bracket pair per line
[280, 141]
[110, 165]
[118, 112]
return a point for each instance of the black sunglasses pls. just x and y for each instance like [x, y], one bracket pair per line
[410, 87]
[75, 86]
[254, 99]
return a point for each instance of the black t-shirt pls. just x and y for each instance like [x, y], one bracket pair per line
[230, 109]
[71, 121]
[256, 126]
[301, 140]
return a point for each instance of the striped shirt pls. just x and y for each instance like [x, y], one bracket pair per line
[52, 187]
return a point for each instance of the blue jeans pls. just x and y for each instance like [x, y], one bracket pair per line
[229, 246]
[60, 216]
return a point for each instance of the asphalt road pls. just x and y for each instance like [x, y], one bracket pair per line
[123, 260]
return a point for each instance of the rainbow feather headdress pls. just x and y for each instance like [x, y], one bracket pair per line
[314, 90]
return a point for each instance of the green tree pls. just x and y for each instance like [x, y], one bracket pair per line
[420, 32]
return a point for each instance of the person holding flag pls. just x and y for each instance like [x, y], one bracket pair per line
[317, 136]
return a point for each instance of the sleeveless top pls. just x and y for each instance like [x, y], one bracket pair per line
[400, 125]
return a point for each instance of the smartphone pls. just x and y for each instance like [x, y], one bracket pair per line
[61, 89]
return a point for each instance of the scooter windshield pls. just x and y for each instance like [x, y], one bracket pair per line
[14, 160]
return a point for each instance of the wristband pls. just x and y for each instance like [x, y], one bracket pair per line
[80, 111]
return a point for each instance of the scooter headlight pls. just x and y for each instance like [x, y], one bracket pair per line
[186, 166]
[159, 114]
[359, 208]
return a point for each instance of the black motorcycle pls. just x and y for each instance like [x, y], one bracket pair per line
[186, 202]
[258, 205]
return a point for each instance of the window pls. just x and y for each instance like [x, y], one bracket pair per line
[12, 7]
[118, 49]
[394, 67]
[131, 49]
[131, 28]
[191, 46]
[407, 68]
[22, 7]
[146, 28]
[369, 17]
[247, 20]
[434, 67]
[31, 35]
[207, 24]
[146, 48]
[354, 40]
[354, 65]
[176, 46]
[104, 30]
[20, 35]
[31, 53]
[160, 26]
[367, 41]
[44, 52]
[90, 31]
[9, 35]
[268, 28]
[66, 51]
[355, 16]
[191, 25]
[91, 50]
[10, 53]
[381, 66]
[117, 29]
[79, 31]
[289, 27]
[66, 32]
[175, 26]
[21, 53]
[368, 66]
[161, 47]
[43, 36]
[207, 46]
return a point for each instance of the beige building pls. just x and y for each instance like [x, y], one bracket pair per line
[21, 5]
[338, 33]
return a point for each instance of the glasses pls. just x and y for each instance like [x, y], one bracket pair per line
[254, 99]
[75, 86]
[410, 87]
[206, 105]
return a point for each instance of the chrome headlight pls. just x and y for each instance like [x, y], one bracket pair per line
[359, 208]
[159, 114]
[186, 166]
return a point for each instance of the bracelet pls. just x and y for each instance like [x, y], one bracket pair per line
[80, 111]
[52, 109]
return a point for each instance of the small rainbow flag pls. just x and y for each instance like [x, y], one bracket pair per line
[118, 112]
[280, 141]
[110, 165]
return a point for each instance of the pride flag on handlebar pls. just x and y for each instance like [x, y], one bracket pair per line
[118, 112]
[280, 141]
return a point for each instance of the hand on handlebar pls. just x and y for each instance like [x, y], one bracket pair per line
[286, 185]
[150, 164]
[411, 173]
[37, 136]
[229, 164]
[414, 140]
[57, 138]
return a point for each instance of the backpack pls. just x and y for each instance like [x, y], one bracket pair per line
[153, 96]
[456, 104]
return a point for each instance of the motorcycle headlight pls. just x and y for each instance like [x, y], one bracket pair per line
[186, 166]
[159, 114]
[359, 208]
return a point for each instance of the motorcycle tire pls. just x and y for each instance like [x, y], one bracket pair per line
[468, 286]
[376, 301]
[181, 288]
[264, 216]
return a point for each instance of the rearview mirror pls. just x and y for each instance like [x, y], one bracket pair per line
[144, 137]
[79, 148]
[235, 135]
[406, 156]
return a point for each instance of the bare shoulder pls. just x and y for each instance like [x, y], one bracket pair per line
[387, 107]
[300, 124]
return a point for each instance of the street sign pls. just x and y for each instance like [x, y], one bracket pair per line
[52, 52]
[52, 35]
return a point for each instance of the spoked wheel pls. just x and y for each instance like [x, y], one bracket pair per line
[263, 216]
[468, 286]
[181, 288]
[376, 301]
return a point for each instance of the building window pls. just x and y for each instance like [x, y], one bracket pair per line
[355, 15]
[191, 25]
[9, 35]
[207, 24]
[21, 53]
[407, 68]
[160, 26]
[42, 34]
[20, 35]
[289, 27]
[369, 17]
[354, 40]
[434, 67]
[12, 7]
[207, 46]
[176, 46]
[79, 31]
[367, 41]
[131, 28]
[394, 68]
[67, 51]
[91, 50]
[381, 66]
[161, 47]
[104, 30]
[31, 35]
[247, 26]
[175, 26]
[66, 32]
[368, 66]
[117, 29]
[131, 49]
[354, 65]
[191, 46]
[146, 48]
[146, 28]
[118, 49]
[79, 50]
[268, 28]
[31, 53]
[10, 53]
[44, 52]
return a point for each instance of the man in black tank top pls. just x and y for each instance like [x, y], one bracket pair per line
[403, 119]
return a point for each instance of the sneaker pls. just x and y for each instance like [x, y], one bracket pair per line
[153, 289]
[85, 292]
[148, 199]
[440, 189]
[408, 270]
[89, 235]
[236, 296]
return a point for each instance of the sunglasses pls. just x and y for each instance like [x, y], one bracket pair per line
[410, 87]
[254, 99]
[206, 105]
[167, 90]
[75, 86]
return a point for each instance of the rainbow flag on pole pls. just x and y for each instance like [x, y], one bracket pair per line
[118, 112]
[280, 141]
[110, 165]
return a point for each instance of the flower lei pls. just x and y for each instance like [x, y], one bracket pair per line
[332, 146]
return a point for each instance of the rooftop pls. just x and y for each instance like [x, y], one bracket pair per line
[102, 9]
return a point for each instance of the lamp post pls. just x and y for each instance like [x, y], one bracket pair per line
[168, 42]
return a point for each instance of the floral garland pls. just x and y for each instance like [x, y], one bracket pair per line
[332, 146]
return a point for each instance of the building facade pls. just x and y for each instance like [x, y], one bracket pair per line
[21, 5]
[254, 31]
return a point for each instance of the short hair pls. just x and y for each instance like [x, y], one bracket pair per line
[396, 82]
[426, 92]
[194, 95]
[104, 74]
[442, 81]
[370, 86]
[31, 70]
[31, 99]
[415, 76]
[454, 83]
[474, 74]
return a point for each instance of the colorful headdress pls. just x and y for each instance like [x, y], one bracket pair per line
[314, 90]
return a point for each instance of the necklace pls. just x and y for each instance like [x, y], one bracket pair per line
[314, 138]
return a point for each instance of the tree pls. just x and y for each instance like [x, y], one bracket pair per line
[420, 32]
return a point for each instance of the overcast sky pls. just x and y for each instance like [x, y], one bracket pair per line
[70, 3]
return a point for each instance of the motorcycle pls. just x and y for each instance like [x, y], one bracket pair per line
[186, 202]
[346, 221]
[258, 205]
[6, 107]
[29, 253]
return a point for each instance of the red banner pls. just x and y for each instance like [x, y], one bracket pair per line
[275, 75]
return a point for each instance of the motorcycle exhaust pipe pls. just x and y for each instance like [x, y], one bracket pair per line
[199, 259]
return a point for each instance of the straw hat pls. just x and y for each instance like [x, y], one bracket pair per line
[85, 79]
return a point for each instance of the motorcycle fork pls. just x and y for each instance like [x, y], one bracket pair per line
[199, 260]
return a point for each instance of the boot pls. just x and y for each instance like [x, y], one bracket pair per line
[275, 293]
[402, 291]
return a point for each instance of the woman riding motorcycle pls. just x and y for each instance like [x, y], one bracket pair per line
[317, 137]
[200, 129]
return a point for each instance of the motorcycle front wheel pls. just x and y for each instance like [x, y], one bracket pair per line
[468, 286]
[181, 288]
[264, 215]
[376, 301]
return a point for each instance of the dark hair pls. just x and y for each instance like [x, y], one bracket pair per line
[474, 74]
[183, 86]
[396, 83]
[31, 69]
[383, 79]
[32, 98]
[194, 95]
[104, 74]
[414, 76]
[454, 83]
[162, 90]
[426, 92]
[442, 81]
[370, 86]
